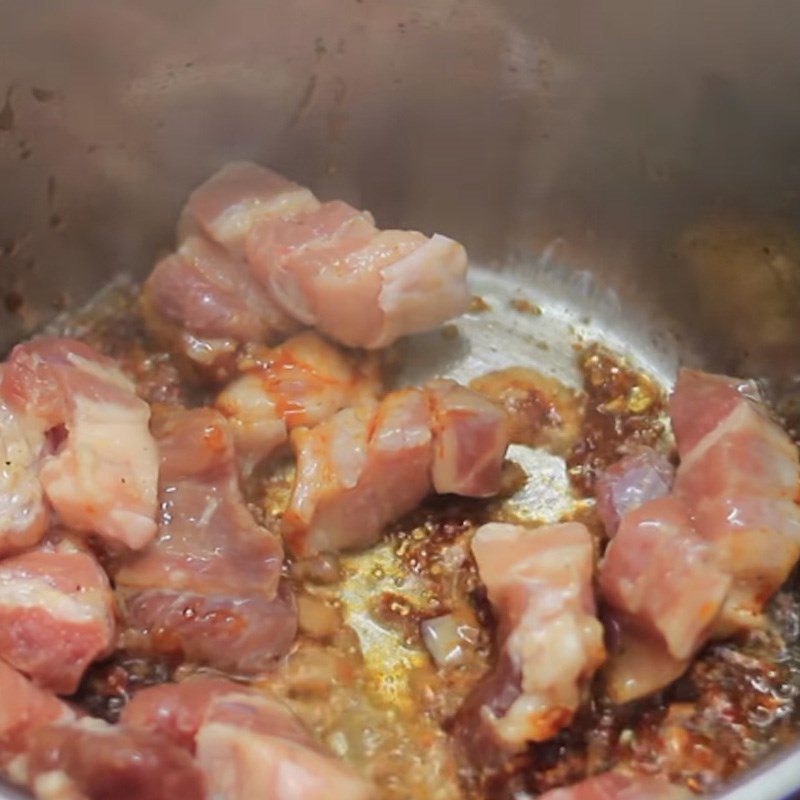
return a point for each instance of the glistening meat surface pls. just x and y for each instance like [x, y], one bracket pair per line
[539, 583]
[208, 588]
[202, 304]
[247, 744]
[57, 613]
[703, 561]
[259, 254]
[367, 466]
[99, 466]
[300, 382]
[738, 478]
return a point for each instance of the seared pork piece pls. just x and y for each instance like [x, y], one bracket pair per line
[367, 466]
[208, 588]
[738, 479]
[91, 760]
[620, 785]
[202, 304]
[539, 582]
[301, 382]
[327, 265]
[56, 613]
[360, 470]
[247, 744]
[542, 410]
[471, 435]
[24, 711]
[635, 479]
[97, 462]
[666, 588]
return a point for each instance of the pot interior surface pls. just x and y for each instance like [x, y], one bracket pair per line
[628, 169]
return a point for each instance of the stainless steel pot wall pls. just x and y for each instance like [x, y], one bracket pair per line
[653, 145]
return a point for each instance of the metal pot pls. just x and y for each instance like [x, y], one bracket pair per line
[636, 161]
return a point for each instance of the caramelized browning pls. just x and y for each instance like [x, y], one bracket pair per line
[624, 408]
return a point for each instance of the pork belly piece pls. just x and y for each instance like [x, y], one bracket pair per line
[358, 471]
[24, 710]
[92, 760]
[368, 292]
[471, 435]
[208, 586]
[301, 382]
[24, 513]
[56, 613]
[660, 573]
[226, 206]
[247, 744]
[620, 785]
[665, 587]
[367, 466]
[201, 303]
[99, 466]
[539, 583]
[629, 483]
[738, 479]
[327, 265]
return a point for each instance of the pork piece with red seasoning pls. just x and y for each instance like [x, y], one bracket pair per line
[620, 785]
[56, 613]
[636, 478]
[92, 760]
[247, 744]
[24, 710]
[360, 470]
[665, 587]
[301, 382]
[738, 479]
[539, 583]
[327, 265]
[87, 440]
[202, 304]
[208, 588]
[367, 466]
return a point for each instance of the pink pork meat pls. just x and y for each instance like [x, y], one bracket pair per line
[202, 303]
[326, 264]
[88, 442]
[539, 583]
[367, 466]
[247, 744]
[208, 587]
[738, 479]
[629, 483]
[56, 613]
